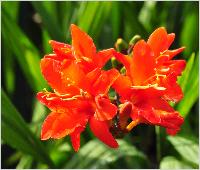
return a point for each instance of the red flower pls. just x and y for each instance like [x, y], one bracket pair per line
[80, 90]
[150, 81]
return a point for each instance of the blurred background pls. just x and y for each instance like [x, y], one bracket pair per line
[26, 28]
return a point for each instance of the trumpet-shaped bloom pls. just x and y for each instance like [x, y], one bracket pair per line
[150, 81]
[80, 90]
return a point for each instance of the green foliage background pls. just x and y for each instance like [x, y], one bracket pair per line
[26, 28]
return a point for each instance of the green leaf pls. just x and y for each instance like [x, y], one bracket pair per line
[8, 69]
[186, 147]
[116, 19]
[190, 84]
[93, 17]
[170, 162]
[25, 162]
[190, 29]
[65, 11]
[146, 14]
[15, 9]
[86, 15]
[48, 13]
[16, 133]
[95, 154]
[132, 25]
[25, 52]
[185, 77]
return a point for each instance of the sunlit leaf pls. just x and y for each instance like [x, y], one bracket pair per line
[188, 148]
[170, 162]
[25, 162]
[96, 155]
[146, 14]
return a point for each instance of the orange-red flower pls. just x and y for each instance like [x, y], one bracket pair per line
[80, 90]
[150, 82]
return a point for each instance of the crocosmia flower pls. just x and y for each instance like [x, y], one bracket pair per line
[150, 82]
[80, 90]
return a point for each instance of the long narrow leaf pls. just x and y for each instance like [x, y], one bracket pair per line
[48, 13]
[26, 53]
[190, 84]
[16, 133]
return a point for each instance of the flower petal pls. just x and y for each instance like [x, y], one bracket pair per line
[73, 75]
[101, 131]
[172, 53]
[124, 114]
[61, 103]
[58, 125]
[122, 84]
[105, 109]
[75, 138]
[145, 113]
[51, 70]
[104, 82]
[82, 44]
[158, 112]
[143, 63]
[124, 59]
[175, 66]
[103, 56]
[141, 93]
[170, 39]
[159, 41]
[62, 50]
[47, 125]
[173, 90]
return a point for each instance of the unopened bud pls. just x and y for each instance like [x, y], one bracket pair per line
[135, 39]
[123, 70]
[121, 45]
[132, 42]
[114, 62]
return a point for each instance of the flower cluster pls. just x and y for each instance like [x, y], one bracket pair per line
[80, 87]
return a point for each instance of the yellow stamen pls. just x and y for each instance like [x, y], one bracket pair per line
[133, 124]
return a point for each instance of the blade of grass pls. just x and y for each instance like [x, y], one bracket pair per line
[16, 133]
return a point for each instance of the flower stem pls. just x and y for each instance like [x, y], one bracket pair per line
[158, 146]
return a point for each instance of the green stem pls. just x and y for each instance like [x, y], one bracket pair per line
[158, 146]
